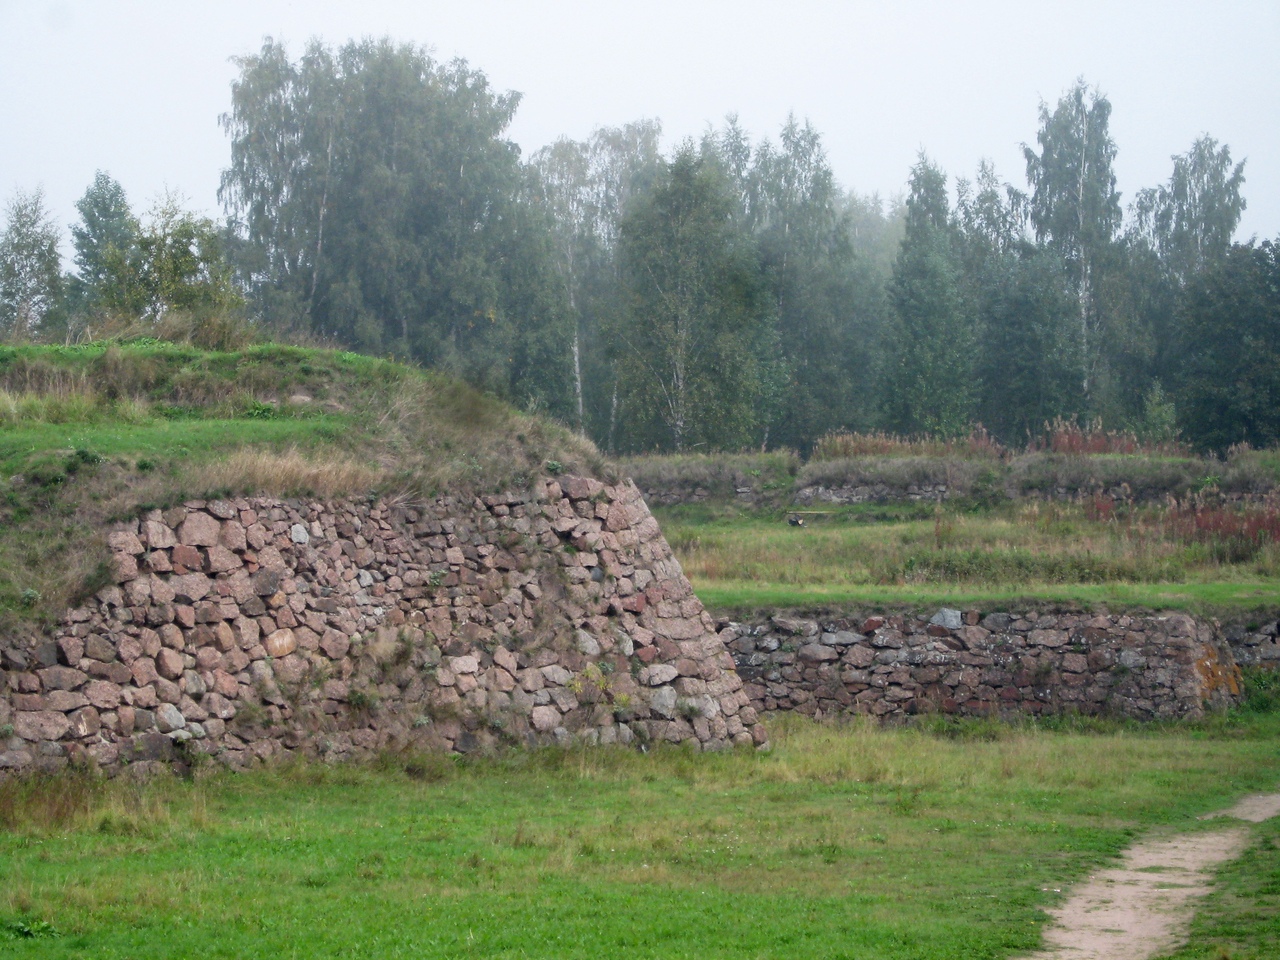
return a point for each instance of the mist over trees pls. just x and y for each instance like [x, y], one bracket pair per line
[722, 294]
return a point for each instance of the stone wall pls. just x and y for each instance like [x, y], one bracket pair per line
[937, 492]
[245, 629]
[1000, 664]
[871, 493]
[1255, 645]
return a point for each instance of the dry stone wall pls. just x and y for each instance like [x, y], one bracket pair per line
[241, 630]
[1255, 645]
[1000, 664]
[871, 493]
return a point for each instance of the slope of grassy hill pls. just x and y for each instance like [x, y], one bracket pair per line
[88, 434]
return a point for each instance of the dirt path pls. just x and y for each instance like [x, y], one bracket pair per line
[1141, 908]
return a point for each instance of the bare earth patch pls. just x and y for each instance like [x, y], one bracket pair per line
[1142, 907]
[1255, 808]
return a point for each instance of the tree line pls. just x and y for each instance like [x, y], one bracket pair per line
[725, 294]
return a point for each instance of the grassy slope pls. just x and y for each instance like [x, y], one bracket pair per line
[853, 842]
[87, 434]
[914, 555]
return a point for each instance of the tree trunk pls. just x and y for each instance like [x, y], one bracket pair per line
[1083, 292]
[613, 414]
[324, 203]
[577, 357]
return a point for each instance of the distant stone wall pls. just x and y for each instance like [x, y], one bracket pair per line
[1146, 667]
[871, 493]
[852, 493]
[242, 630]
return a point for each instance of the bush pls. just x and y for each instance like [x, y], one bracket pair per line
[1261, 689]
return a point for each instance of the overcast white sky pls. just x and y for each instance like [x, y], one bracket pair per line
[135, 88]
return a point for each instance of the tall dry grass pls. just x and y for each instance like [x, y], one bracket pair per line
[83, 800]
[70, 406]
[437, 435]
[1060, 435]
[844, 445]
[221, 329]
[289, 474]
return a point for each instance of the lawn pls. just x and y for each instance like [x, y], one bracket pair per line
[841, 842]
[156, 442]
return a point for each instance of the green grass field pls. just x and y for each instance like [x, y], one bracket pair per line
[841, 842]
[1013, 555]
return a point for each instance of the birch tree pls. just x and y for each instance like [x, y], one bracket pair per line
[1074, 206]
[1191, 220]
[698, 322]
[30, 266]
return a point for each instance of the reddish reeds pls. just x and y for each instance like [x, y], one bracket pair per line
[1232, 535]
[844, 445]
[1069, 437]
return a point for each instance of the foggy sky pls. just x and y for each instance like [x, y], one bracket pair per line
[135, 88]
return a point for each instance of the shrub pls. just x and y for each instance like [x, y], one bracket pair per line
[1261, 688]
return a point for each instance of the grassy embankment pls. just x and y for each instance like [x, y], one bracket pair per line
[991, 559]
[843, 842]
[88, 434]
[997, 543]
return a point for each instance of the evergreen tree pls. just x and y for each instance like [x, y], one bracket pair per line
[1229, 383]
[107, 229]
[930, 385]
[825, 299]
[1026, 362]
